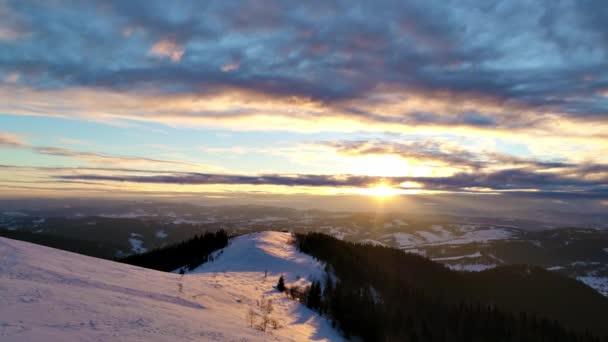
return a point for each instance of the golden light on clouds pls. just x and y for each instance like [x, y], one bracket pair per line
[167, 48]
[230, 67]
[379, 165]
[384, 191]
[381, 190]
[390, 165]
[243, 110]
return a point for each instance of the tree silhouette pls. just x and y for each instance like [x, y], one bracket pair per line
[281, 284]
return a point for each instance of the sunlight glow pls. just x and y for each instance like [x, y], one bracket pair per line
[381, 190]
[380, 165]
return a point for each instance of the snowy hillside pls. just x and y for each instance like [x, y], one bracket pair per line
[52, 295]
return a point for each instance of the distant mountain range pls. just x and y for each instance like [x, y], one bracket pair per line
[112, 230]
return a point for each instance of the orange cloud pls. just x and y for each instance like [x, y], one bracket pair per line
[382, 110]
[230, 67]
[10, 34]
[12, 77]
[167, 49]
[12, 140]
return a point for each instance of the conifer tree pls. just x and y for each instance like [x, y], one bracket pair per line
[281, 284]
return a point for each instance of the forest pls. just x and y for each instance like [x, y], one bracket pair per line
[384, 294]
[190, 253]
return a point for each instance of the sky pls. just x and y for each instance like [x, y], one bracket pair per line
[316, 98]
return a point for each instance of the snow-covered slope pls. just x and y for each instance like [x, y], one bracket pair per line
[52, 295]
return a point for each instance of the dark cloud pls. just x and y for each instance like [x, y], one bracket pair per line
[203, 178]
[504, 180]
[514, 179]
[511, 52]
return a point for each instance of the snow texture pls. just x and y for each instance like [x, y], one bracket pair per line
[137, 245]
[474, 255]
[52, 295]
[470, 267]
[438, 235]
[600, 284]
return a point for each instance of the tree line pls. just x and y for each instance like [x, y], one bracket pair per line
[373, 299]
[190, 253]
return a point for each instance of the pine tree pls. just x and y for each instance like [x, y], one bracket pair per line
[281, 284]
[313, 300]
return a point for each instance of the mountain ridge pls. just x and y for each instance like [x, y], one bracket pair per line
[50, 294]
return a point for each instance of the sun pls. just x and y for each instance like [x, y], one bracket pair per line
[380, 190]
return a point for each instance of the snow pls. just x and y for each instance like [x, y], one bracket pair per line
[335, 232]
[306, 219]
[600, 284]
[481, 235]
[137, 246]
[496, 258]
[415, 251]
[399, 222]
[161, 234]
[470, 267]
[585, 263]
[14, 214]
[250, 268]
[405, 239]
[53, 295]
[536, 243]
[184, 221]
[440, 229]
[606, 250]
[267, 219]
[438, 235]
[474, 255]
[554, 268]
[429, 237]
[135, 214]
[371, 242]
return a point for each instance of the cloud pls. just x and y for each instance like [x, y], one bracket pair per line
[12, 140]
[59, 169]
[440, 153]
[385, 111]
[71, 141]
[101, 158]
[512, 73]
[9, 34]
[167, 49]
[230, 67]
[509, 65]
[502, 180]
[11, 77]
[201, 178]
[421, 150]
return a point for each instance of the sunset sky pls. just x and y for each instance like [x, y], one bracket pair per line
[379, 98]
